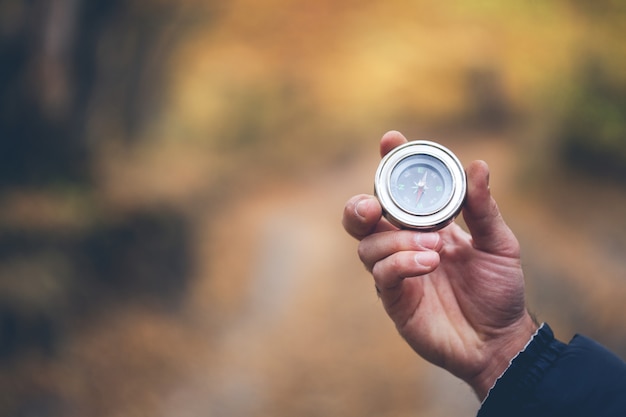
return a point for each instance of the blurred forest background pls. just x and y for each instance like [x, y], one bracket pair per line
[173, 172]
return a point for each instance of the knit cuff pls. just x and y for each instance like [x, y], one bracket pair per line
[513, 389]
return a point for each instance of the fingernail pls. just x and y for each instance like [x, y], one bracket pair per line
[428, 259]
[361, 208]
[427, 240]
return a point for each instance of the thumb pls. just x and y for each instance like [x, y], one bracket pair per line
[482, 215]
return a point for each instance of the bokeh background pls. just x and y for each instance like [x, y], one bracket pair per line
[173, 172]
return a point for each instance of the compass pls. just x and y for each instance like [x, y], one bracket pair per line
[420, 185]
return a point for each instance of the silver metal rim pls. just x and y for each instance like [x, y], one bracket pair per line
[402, 218]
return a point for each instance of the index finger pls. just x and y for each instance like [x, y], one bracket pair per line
[362, 216]
[390, 140]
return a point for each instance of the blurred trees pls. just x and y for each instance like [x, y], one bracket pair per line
[75, 75]
[77, 72]
[47, 51]
[593, 131]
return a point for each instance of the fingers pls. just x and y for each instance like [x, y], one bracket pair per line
[361, 214]
[393, 256]
[482, 216]
[390, 140]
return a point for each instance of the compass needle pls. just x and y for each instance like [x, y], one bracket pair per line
[419, 194]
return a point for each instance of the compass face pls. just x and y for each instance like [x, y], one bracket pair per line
[420, 185]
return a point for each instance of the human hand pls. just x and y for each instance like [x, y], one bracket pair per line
[456, 298]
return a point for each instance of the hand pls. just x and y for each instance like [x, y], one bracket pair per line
[456, 298]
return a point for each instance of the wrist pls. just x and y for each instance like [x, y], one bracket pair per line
[499, 353]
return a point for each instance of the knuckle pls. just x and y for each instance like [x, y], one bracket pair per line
[362, 252]
[396, 263]
[397, 241]
[379, 275]
[388, 271]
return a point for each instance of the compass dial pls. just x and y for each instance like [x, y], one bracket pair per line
[420, 185]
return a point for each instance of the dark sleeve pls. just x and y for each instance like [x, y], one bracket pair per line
[550, 378]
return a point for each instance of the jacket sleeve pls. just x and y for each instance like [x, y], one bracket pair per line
[550, 378]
